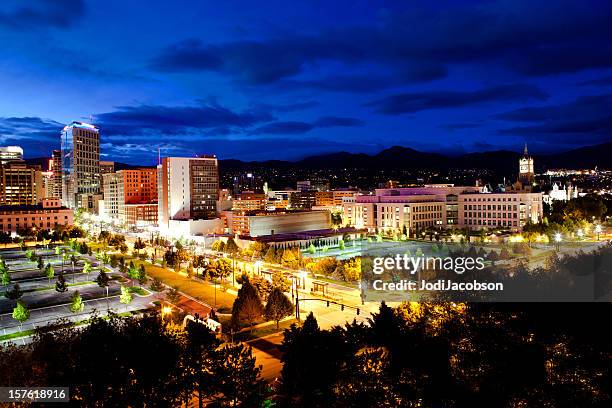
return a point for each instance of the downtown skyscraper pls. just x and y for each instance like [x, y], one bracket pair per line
[80, 145]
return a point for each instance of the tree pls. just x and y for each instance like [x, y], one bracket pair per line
[157, 285]
[60, 284]
[261, 285]
[126, 296]
[49, 272]
[113, 261]
[231, 247]
[247, 307]
[270, 256]
[21, 313]
[341, 245]
[218, 245]
[14, 293]
[76, 303]
[5, 277]
[278, 306]
[190, 271]
[139, 244]
[199, 262]
[280, 281]
[173, 295]
[237, 375]
[288, 258]
[103, 281]
[142, 275]
[87, 268]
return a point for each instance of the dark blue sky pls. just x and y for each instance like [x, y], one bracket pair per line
[278, 79]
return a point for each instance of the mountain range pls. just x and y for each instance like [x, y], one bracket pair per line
[398, 157]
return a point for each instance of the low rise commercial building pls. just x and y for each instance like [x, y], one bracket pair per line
[256, 223]
[409, 210]
[48, 214]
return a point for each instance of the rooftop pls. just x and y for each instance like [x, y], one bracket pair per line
[27, 207]
[304, 235]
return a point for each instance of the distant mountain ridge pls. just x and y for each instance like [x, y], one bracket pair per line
[398, 157]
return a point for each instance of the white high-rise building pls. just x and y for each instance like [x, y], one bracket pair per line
[188, 189]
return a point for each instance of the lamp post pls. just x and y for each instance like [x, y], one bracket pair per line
[558, 238]
[297, 297]
[164, 311]
[598, 231]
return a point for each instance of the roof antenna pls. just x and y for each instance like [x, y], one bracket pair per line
[158, 155]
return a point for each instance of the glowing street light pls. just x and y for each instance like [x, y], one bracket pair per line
[165, 310]
[598, 231]
[558, 239]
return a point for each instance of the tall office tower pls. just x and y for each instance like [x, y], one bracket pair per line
[55, 166]
[80, 165]
[10, 153]
[20, 184]
[188, 188]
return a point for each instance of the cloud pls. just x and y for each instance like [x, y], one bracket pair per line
[294, 128]
[173, 120]
[21, 15]
[420, 101]
[271, 60]
[37, 136]
[605, 81]
[333, 121]
[415, 46]
[458, 126]
[587, 119]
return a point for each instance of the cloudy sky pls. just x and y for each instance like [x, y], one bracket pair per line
[288, 79]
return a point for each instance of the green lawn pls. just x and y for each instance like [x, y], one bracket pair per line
[16, 335]
[198, 290]
[139, 291]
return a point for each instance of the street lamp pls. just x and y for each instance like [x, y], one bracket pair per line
[558, 238]
[598, 231]
[164, 311]
[303, 276]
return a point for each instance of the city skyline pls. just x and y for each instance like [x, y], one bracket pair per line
[286, 82]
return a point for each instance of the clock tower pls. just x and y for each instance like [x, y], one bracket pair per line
[526, 173]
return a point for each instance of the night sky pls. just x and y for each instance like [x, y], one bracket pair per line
[288, 79]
